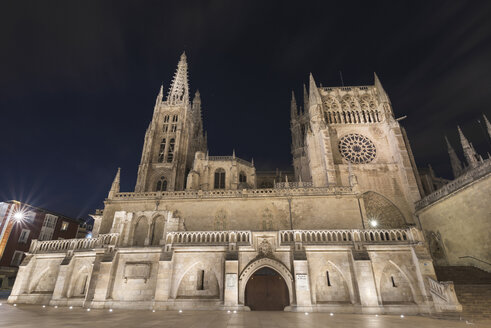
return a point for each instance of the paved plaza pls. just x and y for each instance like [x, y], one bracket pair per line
[37, 316]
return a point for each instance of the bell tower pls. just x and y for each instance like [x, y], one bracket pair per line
[172, 138]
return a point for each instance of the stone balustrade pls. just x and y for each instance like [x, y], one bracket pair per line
[349, 236]
[64, 245]
[469, 176]
[208, 237]
[229, 158]
[444, 297]
[287, 185]
[244, 193]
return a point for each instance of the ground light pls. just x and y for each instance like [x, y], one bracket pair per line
[56, 306]
[402, 315]
[227, 311]
[15, 304]
[306, 313]
[44, 306]
[88, 310]
[71, 307]
[331, 314]
[235, 311]
[110, 310]
[180, 311]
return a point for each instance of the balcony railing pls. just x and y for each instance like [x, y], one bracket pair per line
[64, 245]
[209, 237]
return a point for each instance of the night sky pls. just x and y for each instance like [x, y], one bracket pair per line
[78, 80]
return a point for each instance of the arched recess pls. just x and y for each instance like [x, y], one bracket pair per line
[382, 210]
[261, 263]
[395, 286]
[331, 286]
[199, 281]
[140, 234]
[157, 234]
[79, 282]
[44, 282]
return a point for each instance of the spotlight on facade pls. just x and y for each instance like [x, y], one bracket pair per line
[306, 313]
[180, 311]
[56, 306]
[376, 315]
[88, 310]
[71, 307]
[373, 223]
[44, 306]
[402, 315]
[18, 216]
[0, 304]
[228, 311]
[110, 310]
[153, 311]
[15, 304]
[235, 311]
[331, 314]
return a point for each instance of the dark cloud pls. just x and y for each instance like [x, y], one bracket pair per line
[78, 80]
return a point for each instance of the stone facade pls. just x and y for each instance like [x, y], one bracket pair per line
[197, 228]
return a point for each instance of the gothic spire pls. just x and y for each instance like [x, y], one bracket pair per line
[160, 96]
[293, 107]
[314, 95]
[115, 185]
[469, 153]
[488, 125]
[454, 159]
[179, 89]
[381, 91]
[305, 97]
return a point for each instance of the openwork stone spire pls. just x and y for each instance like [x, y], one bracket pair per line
[454, 160]
[469, 152]
[179, 89]
[293, 107]
[115, 186]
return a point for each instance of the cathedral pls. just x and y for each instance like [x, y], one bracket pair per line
[200, 232]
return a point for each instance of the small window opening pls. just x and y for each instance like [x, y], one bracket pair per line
[201, 279]
[393, 282]
[328, 279]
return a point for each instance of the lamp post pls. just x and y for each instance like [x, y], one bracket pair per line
[16, 215]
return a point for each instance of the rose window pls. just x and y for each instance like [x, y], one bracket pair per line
[357, 149]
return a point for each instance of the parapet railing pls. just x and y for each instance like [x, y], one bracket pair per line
[438, 288]
[229, 158]
[244, 193]
[350, 236]
[283, 185]
[469, 176]
[63, 245]
[209, 237]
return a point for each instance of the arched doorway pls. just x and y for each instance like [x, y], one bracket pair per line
[266, 290]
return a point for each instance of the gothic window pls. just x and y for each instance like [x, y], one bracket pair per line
[357, 149]
[161, 151]
[165, 128]
[173, 128]
[170, 152]
[174, 118]
[242, 177]
[166, 119]
[162, 184]
[220, 179]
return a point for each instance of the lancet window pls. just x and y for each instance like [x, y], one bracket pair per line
[219, 179]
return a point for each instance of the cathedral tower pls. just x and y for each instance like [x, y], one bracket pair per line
[174, 135]
[351, 132]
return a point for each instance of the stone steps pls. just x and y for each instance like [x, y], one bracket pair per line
[473, 289]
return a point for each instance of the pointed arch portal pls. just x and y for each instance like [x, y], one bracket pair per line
[266, 290]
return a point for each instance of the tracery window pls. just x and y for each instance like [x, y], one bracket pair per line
[174, 118]
[166, 119]
[162, 184]
[220, 179]
[170, 152]
[357, 149]
[242, 177]
[173, 128]
[161, 151]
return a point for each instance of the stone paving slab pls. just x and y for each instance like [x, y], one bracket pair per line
[37, 316]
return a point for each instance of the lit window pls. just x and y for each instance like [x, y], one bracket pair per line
[64, 226]
[220, 179]
[24, 236]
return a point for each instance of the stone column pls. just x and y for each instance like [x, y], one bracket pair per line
[231, 286]
[60, 289]
[164, 280]
[366, 281]
[101, 280]
[302, 285]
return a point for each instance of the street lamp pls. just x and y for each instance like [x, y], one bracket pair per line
[19, 216]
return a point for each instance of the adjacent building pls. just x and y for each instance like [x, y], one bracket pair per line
[20, 223]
